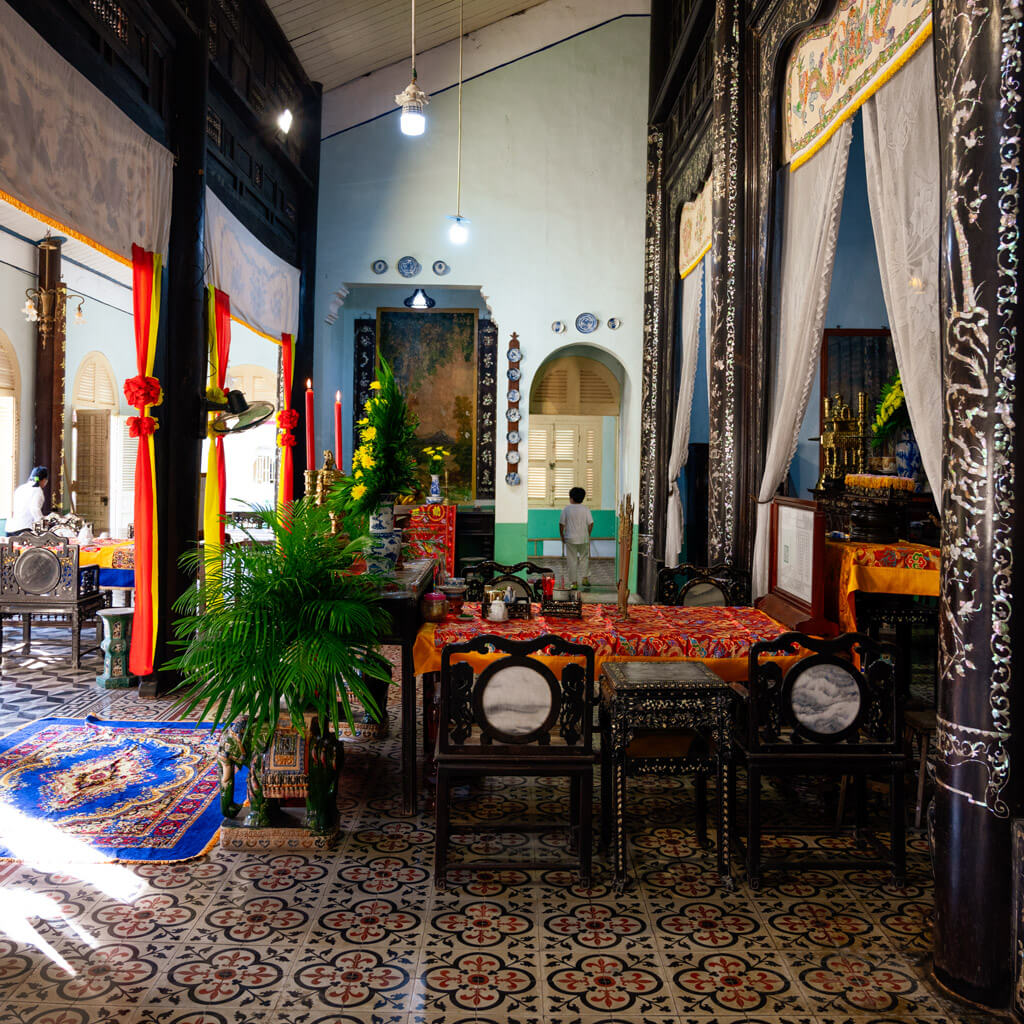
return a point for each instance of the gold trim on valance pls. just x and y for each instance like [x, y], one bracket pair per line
[837, 66]
[695, 231]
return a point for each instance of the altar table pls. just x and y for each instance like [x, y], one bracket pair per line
[911, 569]
[116, 559]
[721, 636]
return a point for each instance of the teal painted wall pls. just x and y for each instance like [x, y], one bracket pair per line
[543, 522]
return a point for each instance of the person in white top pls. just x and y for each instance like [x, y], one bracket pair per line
[576, 525]
[27, 505]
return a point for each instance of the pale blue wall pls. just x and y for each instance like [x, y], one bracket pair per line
[553, 182]
[856, 298]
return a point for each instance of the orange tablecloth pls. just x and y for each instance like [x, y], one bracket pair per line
[108, 554]
[719, 637]
[878, 569]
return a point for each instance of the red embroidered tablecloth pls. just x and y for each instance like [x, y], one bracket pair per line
[720, 636]
[430, 532]
[878, 569]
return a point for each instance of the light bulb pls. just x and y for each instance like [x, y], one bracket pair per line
[284, 120]
[79, 316]
[29, 309]
[412, 121]
[458, 233]
[419, 299]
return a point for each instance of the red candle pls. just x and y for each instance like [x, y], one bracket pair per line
[310, 428]
[337, 428]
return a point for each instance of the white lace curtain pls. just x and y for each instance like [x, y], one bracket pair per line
[901, 154]
[814, 198]
[693, 286]
[68, 153]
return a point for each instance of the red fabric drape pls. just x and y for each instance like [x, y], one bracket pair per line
[216, 484]
[143, 392]
[287, 419]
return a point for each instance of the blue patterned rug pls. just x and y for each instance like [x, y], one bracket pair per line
[137, 791]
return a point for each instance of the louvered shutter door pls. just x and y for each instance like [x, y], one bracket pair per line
[565, 445]
[92, 467]
[8, 452]
[539, 455]
[123, 454]
[590, 460]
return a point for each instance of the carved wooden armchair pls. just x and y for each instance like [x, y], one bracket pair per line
[834, 711]
[496, 573]
[518, 716]
[40, 579]
[699, 586]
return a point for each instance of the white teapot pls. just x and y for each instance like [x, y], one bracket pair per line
[85, 535]
[497, 611]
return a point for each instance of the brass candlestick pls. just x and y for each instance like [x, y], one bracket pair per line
[318, 485]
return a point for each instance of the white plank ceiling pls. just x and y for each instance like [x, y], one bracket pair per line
[339, 40]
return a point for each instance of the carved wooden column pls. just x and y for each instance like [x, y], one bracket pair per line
[652, 388]
[48, 441]
[725, 331]
[978, 73]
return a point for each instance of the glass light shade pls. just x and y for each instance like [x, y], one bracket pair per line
[29, 309]
[79, 316]
[284, 120]
[413, 121]
[458, 233]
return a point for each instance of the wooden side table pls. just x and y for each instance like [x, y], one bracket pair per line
[687, 697]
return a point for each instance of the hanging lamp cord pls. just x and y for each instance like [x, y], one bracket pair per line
[414, 40]
[458, 168]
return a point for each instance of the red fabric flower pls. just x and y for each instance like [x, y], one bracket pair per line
[288, 419]
[286, 440]
[141, 426]
[142, 391]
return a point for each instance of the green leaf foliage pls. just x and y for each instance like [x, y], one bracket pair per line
[281, 628]
[385, 460]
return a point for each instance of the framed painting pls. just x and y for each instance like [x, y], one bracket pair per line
[434, 356]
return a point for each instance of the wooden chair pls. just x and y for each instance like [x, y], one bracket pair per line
[516, 716]
[40, 579]
[824, 715]
[698, 586]
[486, 573]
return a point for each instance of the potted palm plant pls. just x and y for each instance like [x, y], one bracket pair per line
[282, 629]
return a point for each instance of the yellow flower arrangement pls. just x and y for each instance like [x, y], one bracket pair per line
[375, 385]
[436, 454]
[358, 491]
[369, 433]
[891, 414]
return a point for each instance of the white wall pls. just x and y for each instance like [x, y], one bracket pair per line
[554, 163]
[22, 336]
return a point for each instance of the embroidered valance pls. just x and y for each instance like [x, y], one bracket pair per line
[70, 157]
[836, 66]
[695, 231]
[264, 289]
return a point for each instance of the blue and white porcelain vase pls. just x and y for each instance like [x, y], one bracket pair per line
[382, 518]
[908, 458]
[385, 547]
[434, 493]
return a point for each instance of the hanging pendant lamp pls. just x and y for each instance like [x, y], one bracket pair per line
[412, 99]
[458, 232]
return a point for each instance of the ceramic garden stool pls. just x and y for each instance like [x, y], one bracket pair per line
[117, 639]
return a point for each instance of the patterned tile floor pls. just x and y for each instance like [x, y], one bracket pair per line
[361, 936]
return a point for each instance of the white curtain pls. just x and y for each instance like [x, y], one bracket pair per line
[814, 198]
[692, 285]
[70, 154]
[901, 155]
[263, 288]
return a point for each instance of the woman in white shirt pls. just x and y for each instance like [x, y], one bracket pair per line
[27, 504]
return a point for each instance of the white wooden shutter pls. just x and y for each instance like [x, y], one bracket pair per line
[564, 453]
[123, 454]
[92, 467]
[8, 452]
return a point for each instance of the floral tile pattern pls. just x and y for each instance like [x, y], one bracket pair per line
[360, 936]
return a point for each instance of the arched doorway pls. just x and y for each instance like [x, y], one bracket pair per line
[573, 440]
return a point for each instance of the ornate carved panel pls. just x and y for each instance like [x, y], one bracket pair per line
[364, 367]
[486, 407]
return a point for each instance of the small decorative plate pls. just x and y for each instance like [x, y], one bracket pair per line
[440, 268]
[513, 415]
[409, 266]
[379, 266]
[614, 323]
[512, 479]
[586, 323]
[558, 327]
[515, 354]
[513, 437]
[512, 458]
[513, 395]
[513, 373]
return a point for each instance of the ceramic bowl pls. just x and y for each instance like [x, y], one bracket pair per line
[561, 595]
